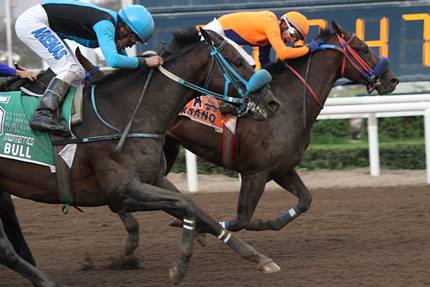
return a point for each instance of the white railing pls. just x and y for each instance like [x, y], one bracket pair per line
[370, 107]
[374, 107]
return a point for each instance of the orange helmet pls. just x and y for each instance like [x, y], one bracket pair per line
[298, 21]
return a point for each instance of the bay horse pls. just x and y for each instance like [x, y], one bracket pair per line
[272, 149]
[133, 179]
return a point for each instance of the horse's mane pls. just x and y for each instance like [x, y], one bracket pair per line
[12, 80]
[8, 82]
[279, 66]
[180, 40]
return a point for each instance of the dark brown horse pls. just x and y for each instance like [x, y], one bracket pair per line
[133, 179]
[271, 150]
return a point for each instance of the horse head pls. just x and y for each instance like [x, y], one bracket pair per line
[361, 64]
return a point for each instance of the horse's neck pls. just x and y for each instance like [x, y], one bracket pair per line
[321, 78]
[160, 105]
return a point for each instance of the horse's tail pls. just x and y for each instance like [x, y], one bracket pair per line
[12, 227]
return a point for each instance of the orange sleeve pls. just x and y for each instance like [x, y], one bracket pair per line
[273, 33]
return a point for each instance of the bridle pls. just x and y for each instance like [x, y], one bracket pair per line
[371, 75]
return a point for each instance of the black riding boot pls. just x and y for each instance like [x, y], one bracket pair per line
[47, 116]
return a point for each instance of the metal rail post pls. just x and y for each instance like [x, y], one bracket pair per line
[191, 162]
[372, 127]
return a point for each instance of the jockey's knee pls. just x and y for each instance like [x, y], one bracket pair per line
[74, 76]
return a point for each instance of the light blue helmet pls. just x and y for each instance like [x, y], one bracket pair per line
[139, 20]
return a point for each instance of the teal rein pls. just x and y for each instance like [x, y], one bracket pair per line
[107, 124]
[93, 103]
[230, 76]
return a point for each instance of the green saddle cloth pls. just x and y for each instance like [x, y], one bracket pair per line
[17, 140]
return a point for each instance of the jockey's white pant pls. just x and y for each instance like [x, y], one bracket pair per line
[216, 26]
[32, 27]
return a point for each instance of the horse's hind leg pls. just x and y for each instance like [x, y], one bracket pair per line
[206, 223]
[171, 150]
[12, 227]
[11, 259]
[144, 197]
[293, 183]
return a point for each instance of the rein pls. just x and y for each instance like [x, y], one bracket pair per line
[230, 76]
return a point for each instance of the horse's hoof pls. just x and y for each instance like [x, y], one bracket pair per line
[269, 266]
[175, 275]
[131, 244]
[130, 262]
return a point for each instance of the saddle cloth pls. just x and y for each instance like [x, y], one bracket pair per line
[17, 140]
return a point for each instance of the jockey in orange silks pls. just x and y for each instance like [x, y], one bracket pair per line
[264, 30]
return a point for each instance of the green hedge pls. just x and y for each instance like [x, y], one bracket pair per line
[400, 155]
[396, 155]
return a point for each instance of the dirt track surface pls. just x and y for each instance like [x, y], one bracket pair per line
[373, 236]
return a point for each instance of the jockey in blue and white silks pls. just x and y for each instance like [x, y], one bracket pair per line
[44, 27]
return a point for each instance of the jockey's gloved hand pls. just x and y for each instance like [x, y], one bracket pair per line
[315, 45]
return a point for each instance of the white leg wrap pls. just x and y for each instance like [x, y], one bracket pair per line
[188, 224]
[292, 212]
[221, 235]
[227, 238]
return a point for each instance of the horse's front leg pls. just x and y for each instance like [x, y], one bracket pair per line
[11, 259]
[293, 183]
[251, 189]
[205, 223]
[12, 227]
[139, 196]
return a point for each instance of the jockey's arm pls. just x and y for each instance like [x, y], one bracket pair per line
[273, 34]
[105, 32]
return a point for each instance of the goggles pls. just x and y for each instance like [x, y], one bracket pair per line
[292, 32]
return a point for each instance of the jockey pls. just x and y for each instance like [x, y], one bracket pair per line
[262, 29]
[44, 27]
[6, 71]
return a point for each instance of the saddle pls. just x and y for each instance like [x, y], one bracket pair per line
[76, 106]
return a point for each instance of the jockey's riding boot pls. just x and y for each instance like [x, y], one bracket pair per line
[47, 116]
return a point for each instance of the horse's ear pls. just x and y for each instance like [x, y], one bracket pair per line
[205, 36]
[338, 29]
[79, 55]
